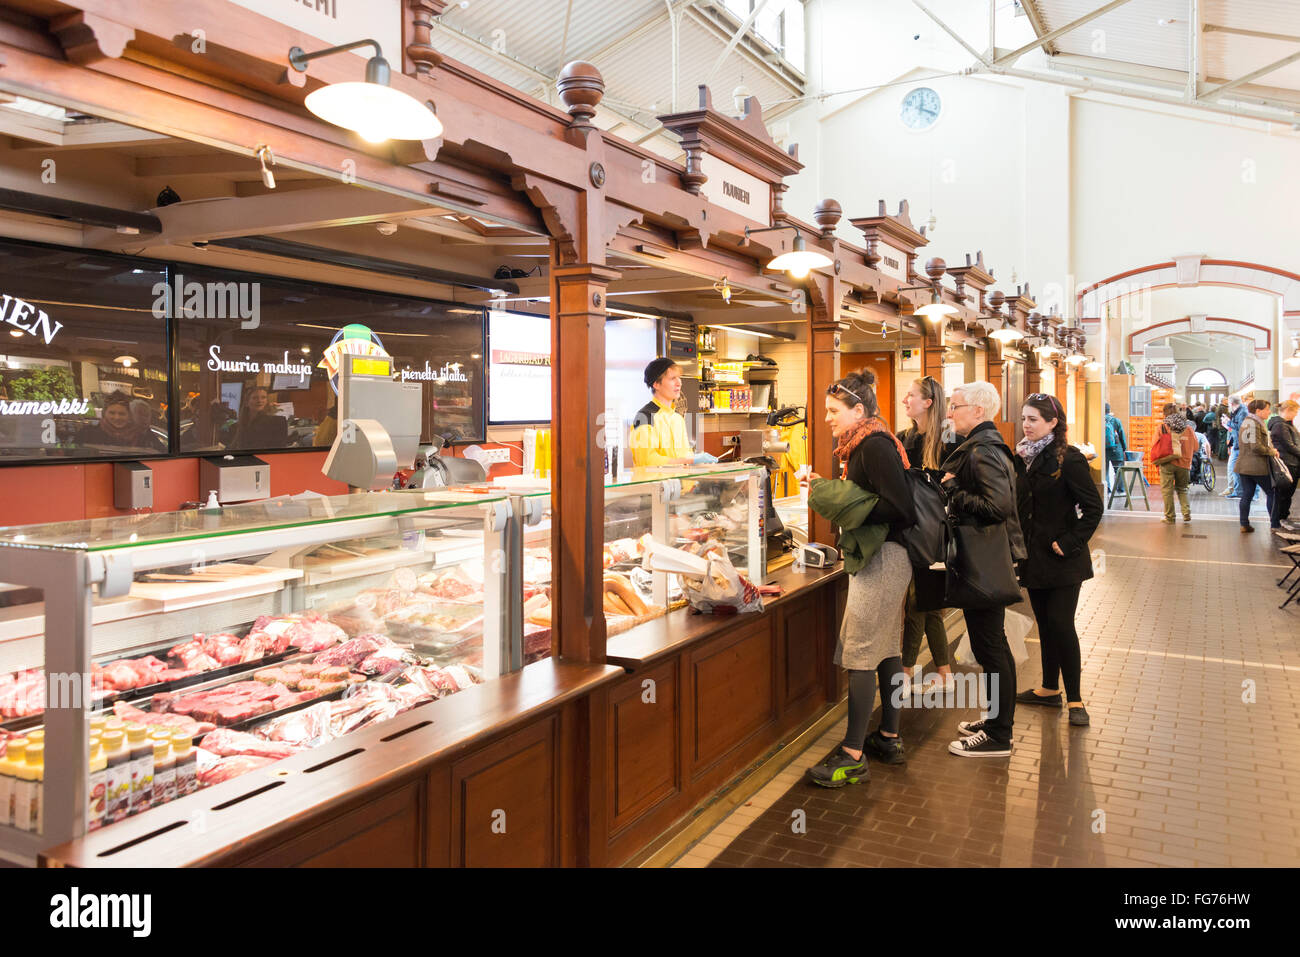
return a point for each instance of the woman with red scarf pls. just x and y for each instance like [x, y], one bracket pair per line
[874, 463]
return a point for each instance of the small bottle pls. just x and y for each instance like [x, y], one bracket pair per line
[25, 789]
[15, 755]
[141, 795]
[96, 796]
[36, 771]
[187, 764]
[118, 768]
[164, 768]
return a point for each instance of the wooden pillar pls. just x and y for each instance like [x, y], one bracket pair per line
[823, 369]
[1033, 372]
[932, 350]
[995, 363]
[578, 464]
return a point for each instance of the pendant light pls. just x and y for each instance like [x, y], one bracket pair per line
[1007, 334]
[800, 260]
[370, 108]
[936, 309]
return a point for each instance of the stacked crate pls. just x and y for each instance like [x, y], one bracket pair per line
[1144, 430]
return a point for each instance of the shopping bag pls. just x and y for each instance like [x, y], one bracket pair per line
[710, 583]
[962, 653]
[1017, 627]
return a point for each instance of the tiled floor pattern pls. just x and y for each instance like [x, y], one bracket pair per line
[1204, 504]
[1192, 678]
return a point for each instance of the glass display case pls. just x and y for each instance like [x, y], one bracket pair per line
[683, 507]
[145, 656]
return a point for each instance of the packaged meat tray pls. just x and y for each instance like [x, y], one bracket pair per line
[437, 625]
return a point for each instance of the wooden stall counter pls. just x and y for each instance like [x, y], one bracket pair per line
[485, 777]
[704, 696]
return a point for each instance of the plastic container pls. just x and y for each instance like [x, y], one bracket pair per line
[96, 796]
[141, 794]
[118, 762]
[187, 764]
[164, 768]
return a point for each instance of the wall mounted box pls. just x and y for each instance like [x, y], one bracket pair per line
[236, 478]
[132, 485]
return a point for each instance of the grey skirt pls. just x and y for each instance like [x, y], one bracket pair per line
[873, 618]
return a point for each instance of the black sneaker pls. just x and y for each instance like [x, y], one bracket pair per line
[979, 745]
[1079, 716]
[838, 769]
[886, 750]
[971, 727]
[1032, 697]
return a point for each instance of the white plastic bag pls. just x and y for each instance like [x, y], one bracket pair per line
[1017, 628]
[710, 582]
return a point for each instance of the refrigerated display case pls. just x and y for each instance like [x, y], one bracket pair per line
[682, 507]
[256, 631]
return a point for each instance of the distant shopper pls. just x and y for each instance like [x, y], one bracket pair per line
[980, 479]
[1059, 511]
[258, 426]
[1256, 448]
[927, 443]
[1196, 417]
[1212, 429]
[1286, 439]
[659, 430]
[1116, 446]
[872, 504]
[1232, 422]
[1178, 440]
[117, 428]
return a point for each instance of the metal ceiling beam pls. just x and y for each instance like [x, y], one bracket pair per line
[952, 33]
[735, 38]
[1195, 69]
[761, 56]
[1096, 68]
[1237, 31]
[1036, 21]
[1060, 31]
[1253, 75]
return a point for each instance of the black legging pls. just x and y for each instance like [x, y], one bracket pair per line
[862, 697]
[1054, 609]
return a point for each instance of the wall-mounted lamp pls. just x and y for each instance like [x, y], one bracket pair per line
[370, 108]
[800, 260]
[263, 154]
[936, 309]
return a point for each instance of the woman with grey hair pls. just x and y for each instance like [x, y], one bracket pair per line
[980, 481]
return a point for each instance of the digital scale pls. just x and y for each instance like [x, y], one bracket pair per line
[379, 423]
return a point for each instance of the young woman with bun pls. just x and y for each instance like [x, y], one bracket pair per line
[1059, 510]
[874, 467]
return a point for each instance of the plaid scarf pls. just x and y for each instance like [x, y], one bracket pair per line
[1028, 449]
[852, 438]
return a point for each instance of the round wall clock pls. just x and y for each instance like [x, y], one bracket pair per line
[920, 108]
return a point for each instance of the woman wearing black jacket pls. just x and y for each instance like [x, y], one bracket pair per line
[1059, 510]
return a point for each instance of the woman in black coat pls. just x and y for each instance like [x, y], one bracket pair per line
[1059, 510]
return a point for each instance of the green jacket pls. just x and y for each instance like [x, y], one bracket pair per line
[847, 505]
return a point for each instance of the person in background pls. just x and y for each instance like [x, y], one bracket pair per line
[258, 426]
[1232, 422]
[659, 430]
[1059, 510]
[1116, 446]
[328, 429]
[1255, 450]
[143, 417]
[1175, 468]
[1197, 418]
[980, 479]
[1286, 439]
[116, 427]
[874, 465]
[1211, 422]
[927, 443]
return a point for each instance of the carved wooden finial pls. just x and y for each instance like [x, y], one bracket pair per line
[420, 50]
[995, 299]
[827, 215]
[581, 88]
[935, 268]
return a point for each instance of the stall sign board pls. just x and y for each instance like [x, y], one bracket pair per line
[1139, 401]
[339, 21]
[893, 261]
[734, 189]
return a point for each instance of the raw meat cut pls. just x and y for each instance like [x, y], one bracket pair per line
[353, 651]
[162, 719]
[307, 632]
[232, 767]
[225, 742]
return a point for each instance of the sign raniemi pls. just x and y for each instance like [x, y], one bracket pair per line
[21, 314]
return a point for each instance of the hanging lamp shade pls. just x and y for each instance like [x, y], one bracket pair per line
[936, 308]
[800, 260]
[373, 109]
[1008, 333]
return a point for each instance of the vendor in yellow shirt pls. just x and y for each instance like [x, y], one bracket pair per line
[659, 431]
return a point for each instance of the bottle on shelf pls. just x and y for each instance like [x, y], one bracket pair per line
[96, 796]
[36, 770]
[25, 788]
[118, 762]
[186, 766]
[15, 755]
[141, 750]
[164, 768]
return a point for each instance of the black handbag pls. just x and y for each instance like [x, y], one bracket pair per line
[928, 542]
[981, 573]
[1279, 473]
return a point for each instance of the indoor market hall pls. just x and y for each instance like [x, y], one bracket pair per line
[637, 437]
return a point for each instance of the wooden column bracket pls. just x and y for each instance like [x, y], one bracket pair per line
[419, 24]
[87, 37]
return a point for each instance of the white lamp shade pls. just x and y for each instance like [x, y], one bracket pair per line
[374, 111]
[800, 262]
[937, 310]
[1007, 334]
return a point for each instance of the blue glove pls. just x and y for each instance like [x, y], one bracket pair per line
[704, 458]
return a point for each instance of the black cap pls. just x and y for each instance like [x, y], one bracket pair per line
[656, 369]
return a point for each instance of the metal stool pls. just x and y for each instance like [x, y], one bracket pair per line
[1134, 475]
[1292, 552]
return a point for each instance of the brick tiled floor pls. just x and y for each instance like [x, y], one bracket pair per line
[1192, 678]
